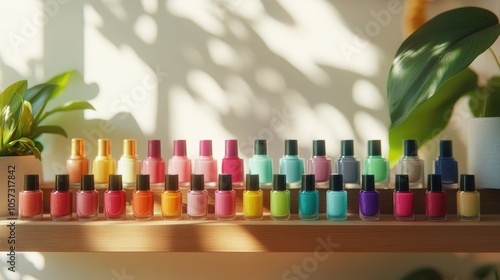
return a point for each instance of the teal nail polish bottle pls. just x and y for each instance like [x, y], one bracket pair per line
[308, 199]
[291, 164]
[336, 199]
[261, 163]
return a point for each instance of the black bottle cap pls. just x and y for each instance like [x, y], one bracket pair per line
[402, 184]
[197, 182]
[291, 148]
[467, 183]
[410, 148]
[368, 182]
[171, 182]
[31, 182]
[115, 182]
[374, 148]
[445, 148]
[336, 182]
[252, 182]
[319, 148]
[347, 148]
[308, 182]
[87, 183]
[62, 182]
[225, 182]
[434, 183]
[142, 182]
[279, 182]
[260, 147]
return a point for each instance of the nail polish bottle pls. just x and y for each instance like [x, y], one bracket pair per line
[369, 199]
[402, 199]
[104, 164]
[348, 165]
[197, 198]
[411, 164]
[253, 198]
[171, 199]
[115, 199]
[435, 199]
[179, 163]
[468, 199]
[129, 164]
[87, 199]
[154, 165]
[225, 199]
[319, 164]
[308, 199]
[376, 165]
[336, 199]
[232, 164]
[31, 199]
[143, 198]
[61, 199]
[280, 198]
[446, 166]
[205, 164]
[261, 164]
[291, 164]
[77, 163]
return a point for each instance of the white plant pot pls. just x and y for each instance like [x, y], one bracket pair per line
[484, 152]
[12, 171]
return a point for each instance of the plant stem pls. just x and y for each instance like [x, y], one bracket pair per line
[495, 56]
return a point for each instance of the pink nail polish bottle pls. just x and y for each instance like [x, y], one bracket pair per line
[225, 199]
[87, 199]
[205, 164]
[232, 164]
[115, 199]
[180, 164]
[154, 165]
[61, 199]
[197, 199]
[31, 199]
[435, 199]
[319, 164]
[403, 199]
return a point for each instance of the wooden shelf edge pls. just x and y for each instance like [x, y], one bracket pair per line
[267, 235]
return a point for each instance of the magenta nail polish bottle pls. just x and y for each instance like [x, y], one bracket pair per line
[369, 199]
[435, 199]
[154, 165]
[87, 199]
[402, 199]
[232, 164]
[115, 199]
[179, 163]
[205, 164]
[225, 199]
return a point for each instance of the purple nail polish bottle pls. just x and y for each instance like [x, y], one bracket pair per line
[369, 199]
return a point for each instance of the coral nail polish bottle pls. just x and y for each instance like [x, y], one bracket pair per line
[154, 165]
[129, 164]
[206, 164]
[319, 164]
[179, 163]
[61, 199]
[308, 199]
[435, 199]
[403, 199]
[115, 199]
[232, 164]
[225, 199]
[348, 165]
[261, 164]
[411, 164]
[336, 199]
[171, 199]
[376, 165]
[468, 199]
[369, 199]
[280, 198]
[143, 198]
[253, 198]
[291, 164]
[446, 166]
[104, 164]
[31, 199]
[87, 199]
[77, 163]
[197, 198]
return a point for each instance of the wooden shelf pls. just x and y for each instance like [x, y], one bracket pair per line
[294, 235]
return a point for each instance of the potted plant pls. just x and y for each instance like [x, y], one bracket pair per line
[430, 73]
[23, 112]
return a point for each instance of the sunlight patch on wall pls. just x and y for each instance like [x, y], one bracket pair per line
[370, 128]
[203, 13]
[146, 29]
[367, 95]
[223, 54]
[208, 90]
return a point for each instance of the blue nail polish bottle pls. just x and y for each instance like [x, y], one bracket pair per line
[291, 164]
[446, 166]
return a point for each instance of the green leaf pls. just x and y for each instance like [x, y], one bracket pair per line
[492, 106]
[21, 146]
[26, 119]
[429, 118]
[70, 106]
[47, 129]
[483, 271]
[38, 96]
[437, 51]
[15, 88]
[61, 81]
